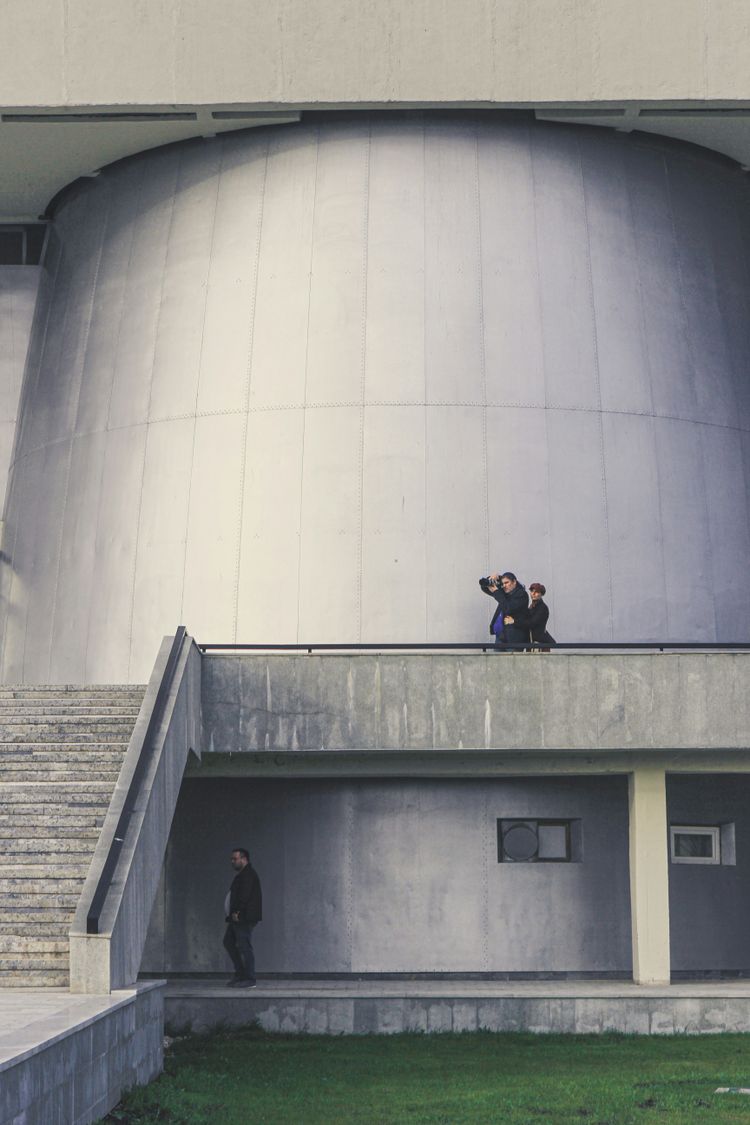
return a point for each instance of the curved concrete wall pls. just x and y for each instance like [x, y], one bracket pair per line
[309, 383]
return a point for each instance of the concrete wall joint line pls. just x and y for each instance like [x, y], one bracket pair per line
[306, 373]
[597, 377]
[362, 384]
[482, 346]
[248, 391]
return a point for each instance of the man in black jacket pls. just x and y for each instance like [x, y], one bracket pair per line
[244, 911]
[512, 605]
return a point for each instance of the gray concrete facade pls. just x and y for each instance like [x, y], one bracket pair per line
[396, 876]
[19, 286]
[387, 1007]
[569, 702]
[308, 383]
[368, 790]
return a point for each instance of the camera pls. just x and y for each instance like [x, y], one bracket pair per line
[485, 584]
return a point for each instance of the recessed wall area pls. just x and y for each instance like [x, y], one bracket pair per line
[397, 876]
[709, 905]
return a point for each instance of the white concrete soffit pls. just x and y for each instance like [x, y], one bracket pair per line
[43, 149]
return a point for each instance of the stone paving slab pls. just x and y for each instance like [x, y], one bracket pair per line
[519, 989]
[30, 1018]
[68, 1059]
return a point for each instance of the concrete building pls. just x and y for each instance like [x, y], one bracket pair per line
[307, 319]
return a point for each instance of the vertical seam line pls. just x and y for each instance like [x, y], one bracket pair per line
[542, 349]
[248, 391]
[362, 383]
[425, 407]
[197, 394]
[482, 348]
[307, 365]
[597, 374]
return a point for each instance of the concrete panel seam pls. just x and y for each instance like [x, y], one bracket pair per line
[405, 403]
[597, 375]
[482, 348]
[307, 369]
[545, 383]
[350, 798]
[128, 266]
[362, 383]
[247, 391]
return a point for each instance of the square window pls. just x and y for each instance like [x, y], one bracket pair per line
[534, 841]
[691, 843]
[553, 841]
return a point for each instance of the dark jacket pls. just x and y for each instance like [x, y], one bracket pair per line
[245, 897]
[539, 616]
[516, 605]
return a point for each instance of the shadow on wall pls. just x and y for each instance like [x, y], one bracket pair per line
[397, 876]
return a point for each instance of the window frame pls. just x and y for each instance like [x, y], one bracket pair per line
[551, 822]
[712, 831]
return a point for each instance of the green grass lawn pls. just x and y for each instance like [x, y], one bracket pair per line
[249, 1076]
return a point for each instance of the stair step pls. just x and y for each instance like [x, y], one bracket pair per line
[29, 914]
[73, 792]
[36, 777]
[66, 733]
[23, 754]
[46, 823]
[25, 925]
[63, 891]
[23, 979]
[40, 962]
[53, 835]
[15, 868]
[64, 746]
[33, 945]
[61, 711]
[54, 898]
[68, 690]
[52, 847]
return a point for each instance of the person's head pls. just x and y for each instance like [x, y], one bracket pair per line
[508, 581]
[239, 858]
[537, 591]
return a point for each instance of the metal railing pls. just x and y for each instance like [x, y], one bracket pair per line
[144, 757]
[485, 646]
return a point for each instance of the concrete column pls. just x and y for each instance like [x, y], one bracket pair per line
[649, 875]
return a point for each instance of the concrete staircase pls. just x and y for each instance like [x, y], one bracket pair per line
[61, 749]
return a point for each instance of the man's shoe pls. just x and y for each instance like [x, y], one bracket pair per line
[233, 982]
[247, 984]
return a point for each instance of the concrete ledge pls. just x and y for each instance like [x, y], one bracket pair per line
[387, 1007]
[587, 702]
[68, 1059]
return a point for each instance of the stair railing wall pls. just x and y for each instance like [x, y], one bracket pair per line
[137, 825]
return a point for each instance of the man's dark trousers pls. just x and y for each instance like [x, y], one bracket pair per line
[238, 944]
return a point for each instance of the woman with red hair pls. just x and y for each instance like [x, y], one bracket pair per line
[539, 615]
